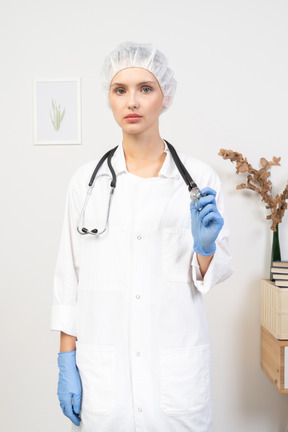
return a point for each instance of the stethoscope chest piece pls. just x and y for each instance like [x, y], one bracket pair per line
[195, 194]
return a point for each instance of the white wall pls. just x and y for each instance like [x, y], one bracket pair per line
[230, 60]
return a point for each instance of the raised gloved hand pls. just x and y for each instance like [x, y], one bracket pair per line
[69, 386]
[206, 222]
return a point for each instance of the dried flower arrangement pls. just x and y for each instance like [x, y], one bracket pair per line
[258, 181]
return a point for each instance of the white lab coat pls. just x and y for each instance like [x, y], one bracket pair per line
[133, 299]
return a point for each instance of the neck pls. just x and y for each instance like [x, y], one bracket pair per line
[144, 153]
[145, 146]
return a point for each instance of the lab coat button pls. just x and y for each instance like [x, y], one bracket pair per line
[138, 297]
[139, 237]
[138, 354]
[140, 409]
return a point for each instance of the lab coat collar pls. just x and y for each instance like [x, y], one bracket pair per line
[168, 170]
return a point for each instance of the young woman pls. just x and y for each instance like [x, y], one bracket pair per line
[134, 260]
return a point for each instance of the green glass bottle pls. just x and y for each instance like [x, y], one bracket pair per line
[276, 253]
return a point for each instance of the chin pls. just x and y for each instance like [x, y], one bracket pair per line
[133, 129]
[129, 132]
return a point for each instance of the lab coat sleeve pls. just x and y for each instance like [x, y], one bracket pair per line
[221, 265]
[64, 317]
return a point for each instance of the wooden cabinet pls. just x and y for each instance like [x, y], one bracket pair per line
[274, 334]
[274, 360]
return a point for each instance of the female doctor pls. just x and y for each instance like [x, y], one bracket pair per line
[134, 351]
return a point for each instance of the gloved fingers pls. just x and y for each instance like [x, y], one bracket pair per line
[205, 200]
[209, 208]
[211, 218]
[201, 204]
[208, 191]
[68, 412]
[76, 403]
[67, 409]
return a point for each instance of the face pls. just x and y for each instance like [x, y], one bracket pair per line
[136, 100]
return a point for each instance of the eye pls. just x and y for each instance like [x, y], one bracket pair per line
[146, 89]
[120, 91]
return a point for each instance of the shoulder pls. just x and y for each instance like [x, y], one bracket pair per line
[78, 183]
[84, 172]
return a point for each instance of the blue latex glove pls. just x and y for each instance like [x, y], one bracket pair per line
[69, 386]
[206, 222]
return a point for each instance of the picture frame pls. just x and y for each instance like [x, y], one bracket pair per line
[57, 111]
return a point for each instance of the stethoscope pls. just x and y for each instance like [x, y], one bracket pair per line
[192, 187]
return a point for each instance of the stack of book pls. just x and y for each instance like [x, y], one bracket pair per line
[279, 270]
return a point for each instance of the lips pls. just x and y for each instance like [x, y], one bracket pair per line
[132, 116]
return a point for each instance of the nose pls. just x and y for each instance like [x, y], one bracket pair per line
[133, 101]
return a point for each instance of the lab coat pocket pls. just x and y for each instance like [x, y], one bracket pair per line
[177, 250]
[96, 366]
[185, 380]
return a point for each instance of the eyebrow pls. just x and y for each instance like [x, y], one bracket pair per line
[139, 84]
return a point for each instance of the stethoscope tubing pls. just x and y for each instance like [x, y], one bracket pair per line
[192, 187]
[107, 156]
